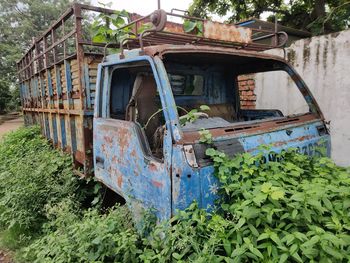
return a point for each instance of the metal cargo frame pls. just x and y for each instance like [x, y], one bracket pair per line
[57, 78]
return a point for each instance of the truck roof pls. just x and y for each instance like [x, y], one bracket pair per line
[162, 49]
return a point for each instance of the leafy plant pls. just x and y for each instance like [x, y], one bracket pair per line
[105, 27]
[206, 136]
[292, 210]
[193, 26]
[193, 115]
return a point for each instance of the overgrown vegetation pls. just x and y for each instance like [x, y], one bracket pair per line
[32, 177]
[294, 210]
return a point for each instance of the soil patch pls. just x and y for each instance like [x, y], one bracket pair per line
[9, 125]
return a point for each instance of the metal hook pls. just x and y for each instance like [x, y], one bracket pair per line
[121, 46]
[105, 51]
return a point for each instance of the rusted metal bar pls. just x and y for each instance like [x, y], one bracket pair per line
[95, 8]
[48, 49]
[62, 111]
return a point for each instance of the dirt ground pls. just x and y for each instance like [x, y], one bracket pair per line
[5, 257]
[10, 125]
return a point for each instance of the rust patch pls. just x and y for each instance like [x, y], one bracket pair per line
[157, 184]
[174, 28]
[227, 32]
[108, 139]
[103, 148]
[299, 139]
[124, 138]
[153, 167]
[133, 153]
[120, 181]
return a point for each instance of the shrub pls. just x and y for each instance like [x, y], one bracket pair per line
[32, 175]
[91, 237]
[294, 210]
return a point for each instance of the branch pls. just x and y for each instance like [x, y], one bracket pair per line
[275, 10]
[328, 17]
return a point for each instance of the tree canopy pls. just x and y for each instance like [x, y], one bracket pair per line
[20, 22]
[317, 16]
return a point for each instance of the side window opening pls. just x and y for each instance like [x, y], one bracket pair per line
[134, 97]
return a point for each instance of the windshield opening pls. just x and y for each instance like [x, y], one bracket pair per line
[235, 89]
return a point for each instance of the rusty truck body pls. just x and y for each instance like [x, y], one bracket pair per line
[123, 116]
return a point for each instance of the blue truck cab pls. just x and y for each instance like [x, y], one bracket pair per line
[146, 152]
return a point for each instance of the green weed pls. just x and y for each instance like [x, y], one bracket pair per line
[32, 176]
[293, 210]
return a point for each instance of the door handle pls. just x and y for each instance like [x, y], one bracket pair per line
[100, 162]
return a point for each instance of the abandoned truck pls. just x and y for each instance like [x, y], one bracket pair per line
[124, 117]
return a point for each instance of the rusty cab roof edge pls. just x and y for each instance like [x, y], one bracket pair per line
[160, 50]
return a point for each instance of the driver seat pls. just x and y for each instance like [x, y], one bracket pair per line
[142, 104]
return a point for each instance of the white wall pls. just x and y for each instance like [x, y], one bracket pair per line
[324, 64]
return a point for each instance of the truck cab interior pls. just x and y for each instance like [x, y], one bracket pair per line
[196, 79]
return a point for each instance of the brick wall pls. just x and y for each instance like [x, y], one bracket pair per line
[247, 94]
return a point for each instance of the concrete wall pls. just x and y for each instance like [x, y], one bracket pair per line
[324, 64]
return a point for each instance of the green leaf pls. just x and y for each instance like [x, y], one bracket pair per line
[293, 249]
[276, 195]
[204, 108]
[210, 152]
[227, 246]
[312, 241]
[265, 188]
[189, 26]
[238, 252]
[283, 258]
[177, 256]
[254, 231]
[289, 239]
[259, 198]
[96, 241]
[99, 38]
[240, 223]
[297, 257]
[294, 213]
[263, 236]
[274, 237]
[255, 251]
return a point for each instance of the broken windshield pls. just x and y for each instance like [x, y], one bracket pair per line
[235, 88]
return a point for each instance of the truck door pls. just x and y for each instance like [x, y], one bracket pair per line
[131, 137]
